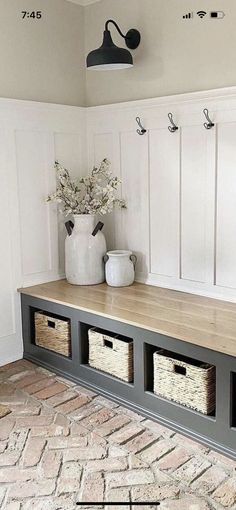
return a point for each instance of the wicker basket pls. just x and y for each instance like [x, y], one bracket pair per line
[111, 354]
[186, 381]
[52, 333]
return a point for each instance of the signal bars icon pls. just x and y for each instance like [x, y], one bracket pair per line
[188, 16]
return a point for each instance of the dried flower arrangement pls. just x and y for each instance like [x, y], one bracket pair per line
[93, 194]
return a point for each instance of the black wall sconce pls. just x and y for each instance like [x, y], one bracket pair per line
[109, 56]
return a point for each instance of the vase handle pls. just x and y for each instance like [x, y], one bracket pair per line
[133, 259]
[105, 258]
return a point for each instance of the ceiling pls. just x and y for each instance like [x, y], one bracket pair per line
[83, 2]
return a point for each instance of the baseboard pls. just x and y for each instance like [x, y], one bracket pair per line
[189, 287]
[11, 359]
[11, 349]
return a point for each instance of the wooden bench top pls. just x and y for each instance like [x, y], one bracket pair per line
[198, 320]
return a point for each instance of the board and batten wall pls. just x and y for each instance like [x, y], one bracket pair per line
[32, 136]
[180, 188]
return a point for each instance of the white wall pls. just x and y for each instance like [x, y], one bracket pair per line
[180, 188]
[175, 55]
[32, 136]
[45, 60]
[180, 192]
[42, 60]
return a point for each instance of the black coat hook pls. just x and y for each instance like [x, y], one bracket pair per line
[142, 130]
[209, 124]
[173, 126]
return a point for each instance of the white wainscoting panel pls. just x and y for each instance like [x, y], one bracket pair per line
[180, 190]
[195, 168]
[134, 220]
[186, 240]
[32, 136]
[165, 202]
[10, 323]
[69, 152]
[101, 146]
[226, 206]
[36, 225]
[7, 312]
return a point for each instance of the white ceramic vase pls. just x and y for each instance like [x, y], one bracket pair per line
[84, 253]
[120, 266]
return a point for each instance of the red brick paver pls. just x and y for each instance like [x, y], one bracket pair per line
[62, 444]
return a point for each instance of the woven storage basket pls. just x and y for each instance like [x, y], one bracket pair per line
[52, 333]
[111, 354]
[186, 381]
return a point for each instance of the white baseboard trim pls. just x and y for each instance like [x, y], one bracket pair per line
[11, 359]
[11, 350]
[205, 290]
[38, 279]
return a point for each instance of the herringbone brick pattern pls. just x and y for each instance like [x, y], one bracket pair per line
[64, 444]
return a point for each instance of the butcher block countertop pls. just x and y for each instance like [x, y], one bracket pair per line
[198, 320]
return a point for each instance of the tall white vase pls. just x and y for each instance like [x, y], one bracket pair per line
[84, 253]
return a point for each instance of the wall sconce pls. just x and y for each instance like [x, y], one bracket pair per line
[111, 57]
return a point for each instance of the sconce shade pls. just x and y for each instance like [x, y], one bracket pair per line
[109, 56]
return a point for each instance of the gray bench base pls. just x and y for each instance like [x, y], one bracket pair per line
[218, 432]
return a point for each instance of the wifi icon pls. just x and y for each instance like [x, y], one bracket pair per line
[201, 14]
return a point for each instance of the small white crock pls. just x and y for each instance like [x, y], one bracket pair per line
[120, 268]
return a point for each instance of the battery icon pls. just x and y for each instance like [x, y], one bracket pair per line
[217, 14]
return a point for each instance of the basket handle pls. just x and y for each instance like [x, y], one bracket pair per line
[51, 324]
[108, 343]
[178, 369]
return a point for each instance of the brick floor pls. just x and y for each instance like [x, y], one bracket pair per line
[63, 444]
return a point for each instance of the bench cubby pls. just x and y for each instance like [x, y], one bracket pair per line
[180, 381]
[51, 332]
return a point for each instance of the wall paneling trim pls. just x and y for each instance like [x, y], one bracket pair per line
[32, 136]
[180, 190]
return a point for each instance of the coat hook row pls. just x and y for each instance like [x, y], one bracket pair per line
[209, 124]
[142, 130]
[173, 126]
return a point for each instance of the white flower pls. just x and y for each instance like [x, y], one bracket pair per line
[93, 194]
